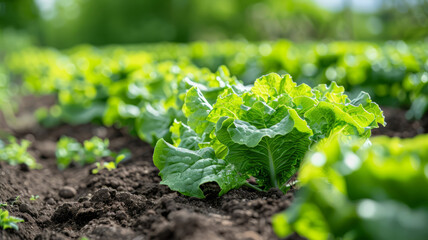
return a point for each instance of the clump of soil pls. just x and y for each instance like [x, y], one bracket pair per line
[129, 202]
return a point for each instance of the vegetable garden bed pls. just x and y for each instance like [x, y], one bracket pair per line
[197, 132]
[129, 201]
[125, 202]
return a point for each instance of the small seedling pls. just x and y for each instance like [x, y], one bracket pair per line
[111, 165]
[7, 221]
[14, 153]
[16, 200]
[3, 204]
[69, 150]
[34, 198]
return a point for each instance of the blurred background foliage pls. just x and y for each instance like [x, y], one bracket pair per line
[65, 23]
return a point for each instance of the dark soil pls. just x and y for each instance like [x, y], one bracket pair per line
[129, 202]
[399, 126]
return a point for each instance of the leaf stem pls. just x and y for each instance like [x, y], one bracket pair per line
[253, 187]
[271, 166]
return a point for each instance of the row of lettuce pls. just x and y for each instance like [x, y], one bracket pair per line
[352, 189]
[393, 73]
[143, 87]
[68, 152]
[127, 90]
[210, 127]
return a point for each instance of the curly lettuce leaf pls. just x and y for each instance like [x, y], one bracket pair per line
[272, 86]
[271, 155]
[196, 108]
[363, 100]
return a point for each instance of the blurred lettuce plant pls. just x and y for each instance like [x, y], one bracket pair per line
[7, 221]
[361, 190]
[15, 153]
[69, 150]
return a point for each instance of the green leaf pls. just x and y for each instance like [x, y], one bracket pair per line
[326, 119]
[332, 93]
[184, 137]
[362, 190]
[260, 115]
[7, 221]
[303, 103]
[364, 100]
[361, 117]
[272, 86]
[69, 150]
[311, 224]
[196, 108]
[272, 155]
[154, 122]
[228, 104]
[185, 170]
[15, 153]
[418, 108]
[78, 114]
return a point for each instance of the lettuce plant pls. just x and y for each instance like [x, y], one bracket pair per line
[261, 132]
[69, 150]
[15, 153]
[352, 190]
[7, 221]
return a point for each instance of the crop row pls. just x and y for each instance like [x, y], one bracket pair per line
[393, 73]
[210, 127]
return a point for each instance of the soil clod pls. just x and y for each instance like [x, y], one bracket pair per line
[67, 192]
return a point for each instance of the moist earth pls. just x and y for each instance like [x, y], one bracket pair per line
[128, 202]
